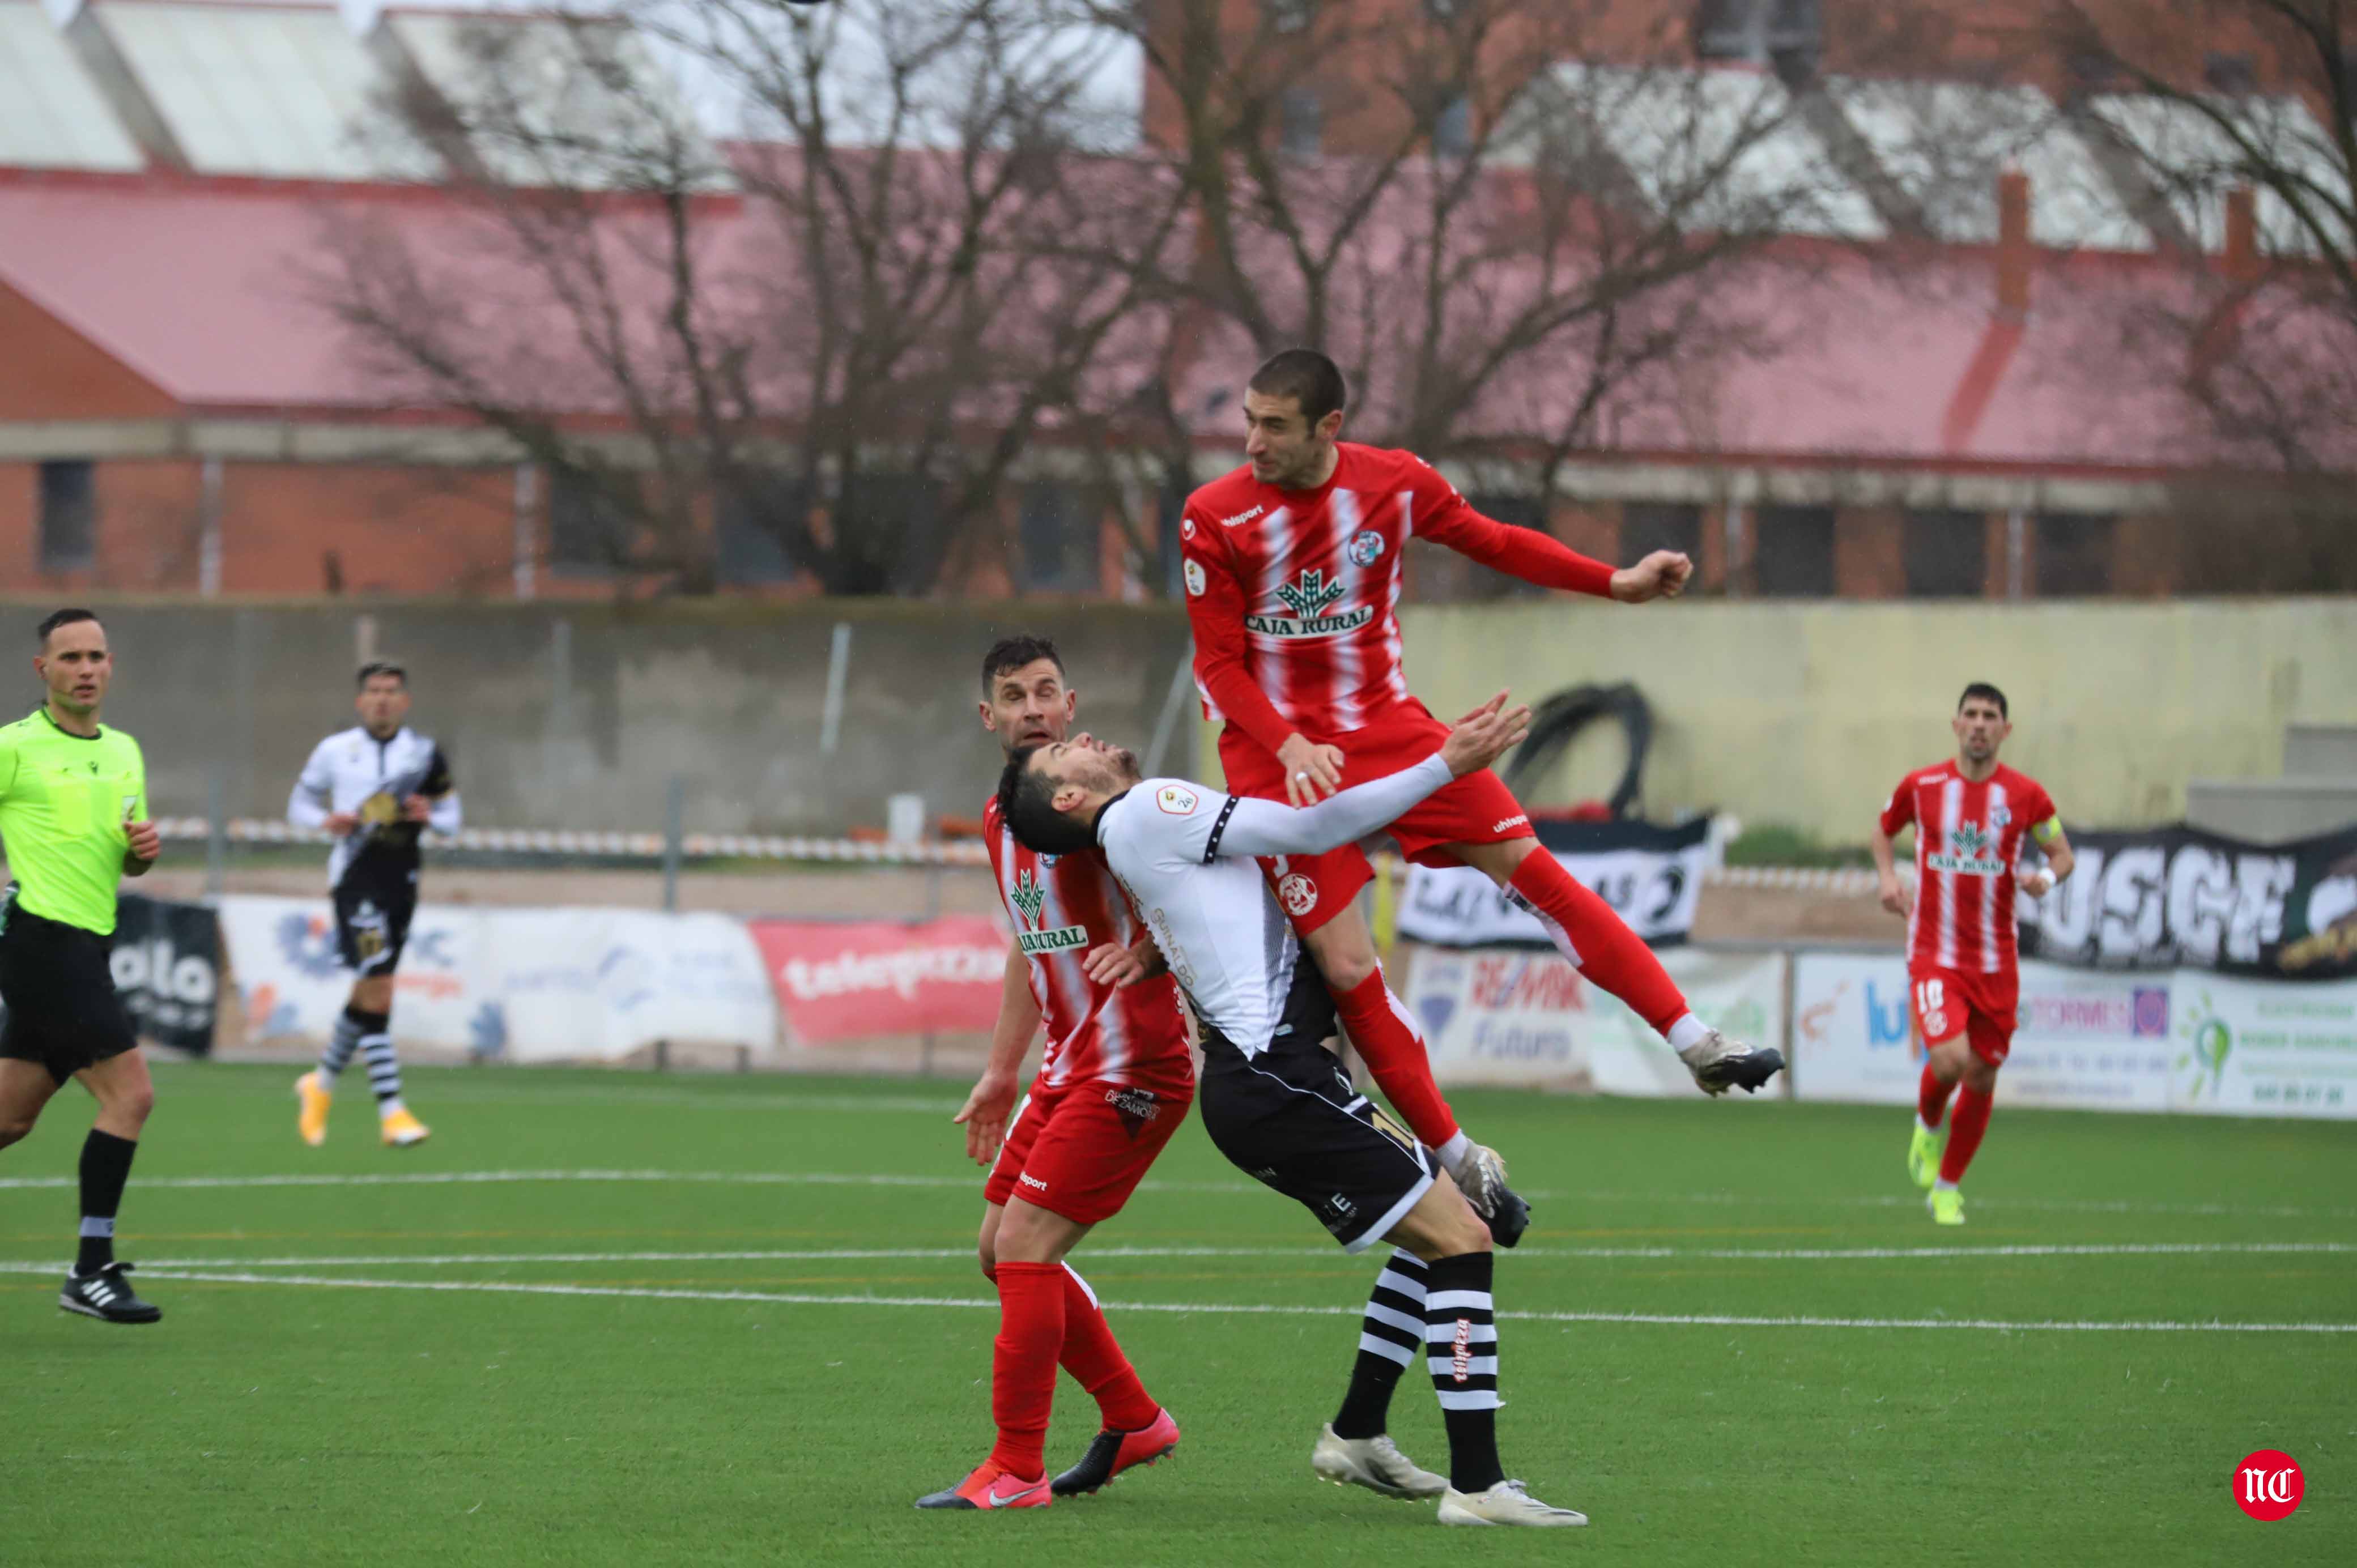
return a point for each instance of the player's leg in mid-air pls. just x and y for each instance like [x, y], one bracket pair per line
[372, 928]
[1071, 1158]
[1968, 1033]
[1290, 1118]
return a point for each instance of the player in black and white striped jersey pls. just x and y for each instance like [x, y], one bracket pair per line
[376, 787]
[1275, 1101]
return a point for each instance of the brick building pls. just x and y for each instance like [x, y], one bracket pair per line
[178, 414]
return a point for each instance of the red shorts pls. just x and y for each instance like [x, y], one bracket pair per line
[1475, 809]
[1080, 1149]
[1948, 1002]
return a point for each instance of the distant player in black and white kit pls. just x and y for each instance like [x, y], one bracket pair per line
[1275, 1102]
[376, 787]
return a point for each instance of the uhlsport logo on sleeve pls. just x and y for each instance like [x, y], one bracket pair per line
[1030, 902]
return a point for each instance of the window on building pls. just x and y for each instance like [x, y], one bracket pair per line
[1290, 15]
[1300, 123]
[2075, 555]
[590, 517]
[752, 526]
[1452, 128]
[1648, 526]
[1059, 532]
[1762, 32]
[2237, 74]
[1792, 552]
[69, 523]
[1945, 555]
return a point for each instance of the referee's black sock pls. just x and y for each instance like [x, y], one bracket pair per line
[105, 1166]
[1389, 1338]
[1460, 1342]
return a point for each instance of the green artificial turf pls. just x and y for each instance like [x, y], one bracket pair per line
[278, 1417]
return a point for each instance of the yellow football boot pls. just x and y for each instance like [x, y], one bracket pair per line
[311, 1120]
[403, 1130]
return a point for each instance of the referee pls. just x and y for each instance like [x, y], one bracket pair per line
[73, 817]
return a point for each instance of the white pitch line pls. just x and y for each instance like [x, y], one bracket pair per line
[1676, 1320]
[965, 1255]
[974, 1182]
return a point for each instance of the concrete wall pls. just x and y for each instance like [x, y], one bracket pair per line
[1807, 716]
[578, 715]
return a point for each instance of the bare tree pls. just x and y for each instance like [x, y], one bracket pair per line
[841, 333]
[2236, 140]
[1509, 252]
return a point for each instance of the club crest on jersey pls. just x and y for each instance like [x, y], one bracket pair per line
[1299, 893]
[1969, 852]
[1310, 597]
[1029, 899]
[1366, 547]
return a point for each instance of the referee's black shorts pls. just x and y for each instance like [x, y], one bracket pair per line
[1290, 1118]
[58, 984]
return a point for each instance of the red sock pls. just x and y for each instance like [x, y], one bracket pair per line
[1023, 1370]
[1599, 942]
[1931, 1098]
[1094, 1358]
[1964, 1135]
[1387, 1041]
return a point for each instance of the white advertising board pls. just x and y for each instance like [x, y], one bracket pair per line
[1518, 1018]
[522, 984]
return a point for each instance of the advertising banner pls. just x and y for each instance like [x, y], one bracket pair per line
[855, 980]
[1651, 876]
[2178, 898]
[604, 983]
[523, 985]
[2252, 1049]
[2085, 1040]
[167, 970]
[1502, 1016]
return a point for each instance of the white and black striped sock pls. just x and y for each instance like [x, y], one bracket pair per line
[352, 1024]
[1389, 1338]
[384, 1071]
[1461, 1333]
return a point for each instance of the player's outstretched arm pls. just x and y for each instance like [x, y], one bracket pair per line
[992, 1100]
[1263, 827]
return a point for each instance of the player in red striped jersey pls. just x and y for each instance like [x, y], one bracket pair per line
[1114, 1084]
[1973, 819]
[1293, 578]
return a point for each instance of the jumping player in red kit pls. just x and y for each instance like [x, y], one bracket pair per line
[1971, 817]
[1293, 578]
[1115, 1083]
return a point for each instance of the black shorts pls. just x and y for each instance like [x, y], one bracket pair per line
[58, 983]
[373, 910]
[1290, 1119]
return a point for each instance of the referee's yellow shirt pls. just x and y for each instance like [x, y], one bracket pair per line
[64, 800]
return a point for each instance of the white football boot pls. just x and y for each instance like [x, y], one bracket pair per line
[1505, 1503]
[1374, 1463]
[1719, 1064]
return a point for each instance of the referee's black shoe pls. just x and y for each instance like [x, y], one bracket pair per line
[106, 1294]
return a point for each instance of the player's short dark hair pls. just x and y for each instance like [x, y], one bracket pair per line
[376, 667]
[1305, 375]
[1026, 804]
[58, 618]
[1013, 653]
[1983, 689]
